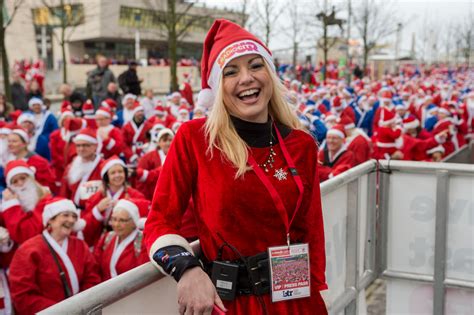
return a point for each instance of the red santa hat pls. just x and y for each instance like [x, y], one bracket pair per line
[16, 167]
[137, 107]
[337, 103]
[163, 132]
[129, 205]
[21, 133]
[347, 122]
[65, 112]
[104, 111]
[88, 108]
[109, 103]
[225, 41]
[442, 125]
[386, 95]
[127, 97]
[65, 105]
[410, 123]
[87, 134]
[4, 129]
[445, 109]
[58, 205]
[387, 117]
[183, 109]
[330, 118]
[159, 110]
[106, 165]
[337, 130]
[75, 124]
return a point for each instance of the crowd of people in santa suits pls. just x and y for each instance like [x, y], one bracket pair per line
[77, 185]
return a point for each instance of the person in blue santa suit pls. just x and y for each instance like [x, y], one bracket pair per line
[45, 123]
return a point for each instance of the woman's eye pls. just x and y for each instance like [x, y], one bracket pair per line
[229, 73]
[256, 66]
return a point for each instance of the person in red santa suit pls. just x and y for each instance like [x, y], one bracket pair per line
[88, 111]
[135, 134]
[99, 206]
[186, 89]
[82, 176]
[7, 249]
[161, 116]
[388, 140]
[54, 265]
[173, 104]
[357, 141]
[386, 107]
[122, 248]
[110, 137]
[23, 202]
[415, 148]
[340, 108]
[61, 146]
[149, 165]
[444, 129]
[335, 158]
[467, 112]
[250, 144]
[18, 141]
[183, 114]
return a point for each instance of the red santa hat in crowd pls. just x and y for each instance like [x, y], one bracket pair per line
[134, 208]
[337, 103]
[386, 95]
[16, 167]
[26, 117]
[163, 132]
[136, 108]
[109, 103]
[104, 111]
[106, 165]
[337, 130]
[347, 122]
[224, 42]
[88, 135]
[410, 123]
[65, 113]
[183, 109]
[387, 117]
[4, 129]
[74, 125]
[127, 97]
[88, 108]
[21, 133]
[160, 110]
[445, 109]
[57, 205]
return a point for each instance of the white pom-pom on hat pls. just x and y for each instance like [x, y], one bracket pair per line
[205, 98]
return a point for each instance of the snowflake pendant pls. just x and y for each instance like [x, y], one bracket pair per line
[280, 174]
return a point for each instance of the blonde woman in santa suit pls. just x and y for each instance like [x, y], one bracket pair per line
[252, 174]
[35, 271]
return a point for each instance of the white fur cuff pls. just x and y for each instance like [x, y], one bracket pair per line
[110, 145]
[97, 215]
[9, 203]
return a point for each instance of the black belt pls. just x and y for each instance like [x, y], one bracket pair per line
[253, 275]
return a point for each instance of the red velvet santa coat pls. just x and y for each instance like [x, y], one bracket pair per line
[114, 144]
[95, 224]
[148, 170]
[134, 138]
[62, 153]
[70, 191]
[341, 162]
[133, 255]
[35, 283]
[43, 172]
[360, 145]
[240, 210]
[415, 149]
[386, 142]
[187, 92]
[377, 117]
[21, 224]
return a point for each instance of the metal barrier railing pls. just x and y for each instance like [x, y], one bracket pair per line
[356, 220]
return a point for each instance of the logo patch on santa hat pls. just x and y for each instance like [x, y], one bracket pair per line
[236, 48]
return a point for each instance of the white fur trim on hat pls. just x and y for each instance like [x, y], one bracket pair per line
[438, 148]
[53, 209]
[35, 100]
[87, 138]
[109, 165]
[128, 96]
[23, 135]
[137, 109]
[412, 124]
[19, 170]
[130, 207]
[103, 113]
[165, 131]
[335, 132]
[26, 117]
[235, 50]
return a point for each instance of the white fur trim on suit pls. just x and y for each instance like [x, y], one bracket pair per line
[97, 215]
[110, 145]
[144, 176]
[411, 125]
[168, 240]
[7, 204]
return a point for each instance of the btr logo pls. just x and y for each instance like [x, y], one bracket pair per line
[287, 293]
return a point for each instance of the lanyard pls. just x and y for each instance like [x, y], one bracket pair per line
[271, 189]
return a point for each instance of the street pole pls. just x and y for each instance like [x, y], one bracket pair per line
[348, 54]
[137, 45]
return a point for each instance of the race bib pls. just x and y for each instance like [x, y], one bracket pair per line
[289, 272]
[87, 189]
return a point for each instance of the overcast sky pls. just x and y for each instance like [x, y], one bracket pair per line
[436, 14]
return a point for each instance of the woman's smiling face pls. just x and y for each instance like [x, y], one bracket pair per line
[247, 88]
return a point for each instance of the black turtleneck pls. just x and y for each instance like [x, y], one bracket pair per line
[257, 135]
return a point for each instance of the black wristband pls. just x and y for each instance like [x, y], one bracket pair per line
[175, 260]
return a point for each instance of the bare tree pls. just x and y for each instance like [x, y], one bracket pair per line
[448, 42]
[243, 13]
[466, 38]
[5, 21]
[374, 21]
[177, 20]
[267, 13]
[67, 24]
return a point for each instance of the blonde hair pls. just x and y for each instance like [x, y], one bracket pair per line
[222, 135]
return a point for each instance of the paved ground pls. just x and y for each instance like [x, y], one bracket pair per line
[375, 295]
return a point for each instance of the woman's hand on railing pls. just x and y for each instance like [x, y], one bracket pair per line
[197, 294]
